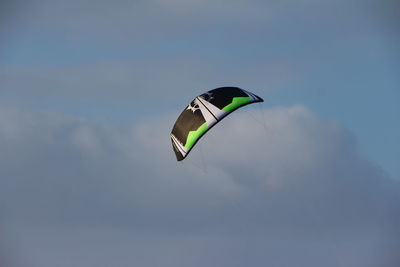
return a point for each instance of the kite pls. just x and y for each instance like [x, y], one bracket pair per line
[203, 113]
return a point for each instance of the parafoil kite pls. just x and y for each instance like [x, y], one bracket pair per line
[204, 112]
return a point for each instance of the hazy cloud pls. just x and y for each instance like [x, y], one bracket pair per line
[276, 182]
[142, 21]
[157, 80]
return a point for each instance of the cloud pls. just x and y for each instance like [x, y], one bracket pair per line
[261, 186]
[136, 22]
[136, 82]
[132, 21]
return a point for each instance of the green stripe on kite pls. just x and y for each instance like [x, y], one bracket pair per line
[193, 136]
[237, 102]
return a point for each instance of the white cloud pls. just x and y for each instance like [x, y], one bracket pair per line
[274, 182]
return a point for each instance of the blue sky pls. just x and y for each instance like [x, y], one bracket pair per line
[85, 85]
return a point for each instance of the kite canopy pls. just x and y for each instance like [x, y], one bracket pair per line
[204, 112]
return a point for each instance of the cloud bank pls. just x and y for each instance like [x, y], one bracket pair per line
[278, 187]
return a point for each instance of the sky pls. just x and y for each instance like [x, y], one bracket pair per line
[89, 91]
